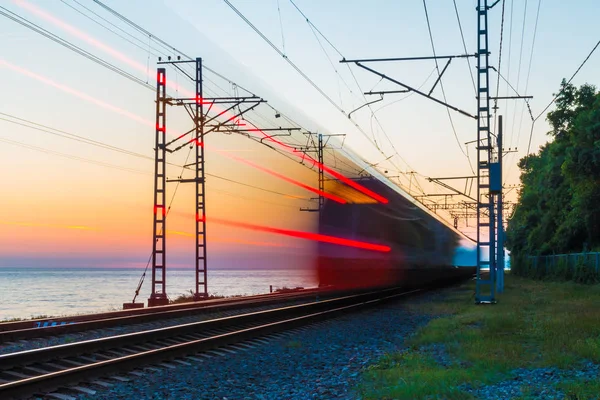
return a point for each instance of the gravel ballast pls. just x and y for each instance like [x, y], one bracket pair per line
[204, 315]
[323, 361]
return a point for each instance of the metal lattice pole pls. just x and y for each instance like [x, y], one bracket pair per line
[201, 266]
[159, 255]
[485, 288]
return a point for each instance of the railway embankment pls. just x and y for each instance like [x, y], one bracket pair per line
[325, 360]
[540, 341]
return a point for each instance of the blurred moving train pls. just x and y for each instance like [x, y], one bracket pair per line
[421, 249]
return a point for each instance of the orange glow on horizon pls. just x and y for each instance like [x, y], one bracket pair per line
[42, 225]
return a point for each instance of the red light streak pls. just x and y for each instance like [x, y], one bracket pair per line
[141, 120]
[285, 178]
[302, 235]
[76, 93]
[330, 171]
[120, 56]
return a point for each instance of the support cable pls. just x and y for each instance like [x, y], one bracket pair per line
[311, 82]
[141, 282]
[529, 69]
[499, 64]
[555, 97]
[281, 27]
[65, 43]
[171, 48]
[266, 39]
[315, 28]
[82, 139]
[72, 157]
[465, 47]
[158, 40]
[442, 88]
[516, 143]
[510, 31]
[142, 46]
[519, 71]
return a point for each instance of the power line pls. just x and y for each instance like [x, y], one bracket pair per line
[266, 39]
[559, 93]
[310, 81]
[462, 36]
[82, 139]
[442, 87]
[373, 115]
[90, 56]
[65, 43]
[106, 27]
[281, 27]
[529, 69]
[161, 42]
[510, 30]
[570, 79]
[499, 62]
[70, 156]
[171, 48]
[70, 136]
[514, 119]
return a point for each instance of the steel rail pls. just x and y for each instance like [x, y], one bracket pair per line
[24, 330]
[238, 328]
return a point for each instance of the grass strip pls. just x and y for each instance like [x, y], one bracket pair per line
[534, 325]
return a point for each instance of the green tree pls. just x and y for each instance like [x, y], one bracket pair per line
[559, 202]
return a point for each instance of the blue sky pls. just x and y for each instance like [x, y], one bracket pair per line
[52, 190]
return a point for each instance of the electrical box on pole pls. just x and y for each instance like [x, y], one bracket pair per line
[500, 208]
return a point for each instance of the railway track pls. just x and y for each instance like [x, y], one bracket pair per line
[42, 371]
[40, 328]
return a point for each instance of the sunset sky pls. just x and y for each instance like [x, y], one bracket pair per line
[68, 203]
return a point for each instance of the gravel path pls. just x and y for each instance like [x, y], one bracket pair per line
[323, 361]
[29, 344]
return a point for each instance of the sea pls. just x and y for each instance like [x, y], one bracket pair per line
[31, 292]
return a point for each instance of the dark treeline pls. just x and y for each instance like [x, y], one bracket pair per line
[559, 203]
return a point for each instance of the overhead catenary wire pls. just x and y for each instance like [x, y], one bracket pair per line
[139, 46]
[314, 28]
[289, 61]
[557, 95]
[462, 36]
[529, 68]
[362, 92]
[499, 63]
[82, 139]
[172, 48]
[65, 43]
[508, 64]
[161, 42]
[282, 54]
[514, 119]
[72, 157]
[442, 88]
[526, 102]
[88, 55]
